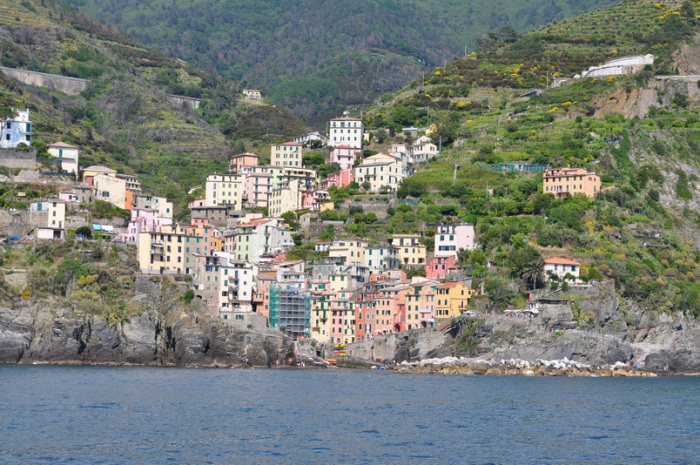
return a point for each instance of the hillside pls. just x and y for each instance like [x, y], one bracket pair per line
[125, 119]
[639, 133]
[320, 57]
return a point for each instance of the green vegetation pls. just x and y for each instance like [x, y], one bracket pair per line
[319, 58]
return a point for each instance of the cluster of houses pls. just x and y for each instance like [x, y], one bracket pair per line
[236, 255]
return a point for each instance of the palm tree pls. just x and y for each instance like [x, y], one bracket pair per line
[533, 272]
[463, 256]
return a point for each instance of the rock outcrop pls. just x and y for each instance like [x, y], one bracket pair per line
[40, 335]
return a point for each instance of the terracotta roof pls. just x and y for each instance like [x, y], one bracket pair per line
[255, 222]
[560, 261]
[447, 285]
[292, 143]
[342, 147]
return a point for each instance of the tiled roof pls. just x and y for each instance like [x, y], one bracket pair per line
[560, 261]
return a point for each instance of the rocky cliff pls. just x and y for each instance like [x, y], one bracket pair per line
[593, 328]
[39, 334]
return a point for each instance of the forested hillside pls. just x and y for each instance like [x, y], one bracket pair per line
[640, 133]
[317, 57]
[125, 119]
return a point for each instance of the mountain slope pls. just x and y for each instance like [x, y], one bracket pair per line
[125, 118]
[641, 134]
[320, 56]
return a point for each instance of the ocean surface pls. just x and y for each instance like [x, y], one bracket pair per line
[114, 415]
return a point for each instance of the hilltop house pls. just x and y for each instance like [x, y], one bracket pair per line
[287, 154]
[562, 266]
[16, 130]
[563, 182]
[450, 238]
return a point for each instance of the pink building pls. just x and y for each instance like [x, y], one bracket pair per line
[344, 155]
[68, 197]
[438, 267]
[257, 185]
[142, 219]
[312, 199]
[339, 179]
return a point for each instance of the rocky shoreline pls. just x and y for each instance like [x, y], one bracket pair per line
[512, 367]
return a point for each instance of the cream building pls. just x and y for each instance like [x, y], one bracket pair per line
[171, 249]
[350, 250]
[110, 189]
[224, 189]
[68, 154]
[411, 252]
[154, 202]
[379, 170]
[286, 197]
[287, 154]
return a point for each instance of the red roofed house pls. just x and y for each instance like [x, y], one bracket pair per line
[562, 266]
[563, 182]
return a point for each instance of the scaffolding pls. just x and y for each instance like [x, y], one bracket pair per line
[290, 309]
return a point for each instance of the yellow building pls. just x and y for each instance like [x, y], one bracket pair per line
[411, 252]
[351, 250]
[224, 189]
[320, 311]
[171, 249]
[285, 198]
[110, 189]
[287, 154]
[420, 304]
[452, 299]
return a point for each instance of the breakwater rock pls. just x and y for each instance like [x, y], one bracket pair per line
[565, 367]
[42, 335]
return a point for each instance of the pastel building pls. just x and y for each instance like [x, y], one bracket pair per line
[349, 250]
[154, 202]
[346, 131]
[344, 155]
[380, 171]
[338, 179]
[261, 237]
[411, 252]
[382, 258]
[237, 162]
[563, 182]
[67, 154]
[110, 189]
[224, 189]
[287, 154]
[143, 219]
[88, 174]
[450, 238]
[284, 198]
[438, 267]
[452, 299]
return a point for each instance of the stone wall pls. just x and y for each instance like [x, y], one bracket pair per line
[65, 84]
[191, 102]
[18, 159]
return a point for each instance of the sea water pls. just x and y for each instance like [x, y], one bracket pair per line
[115, 415]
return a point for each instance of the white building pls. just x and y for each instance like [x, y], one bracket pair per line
[561, 267]
[49, 213]
[16, 130]
[154, 202]
[423, 149]
[236, 285]
[382, 258]
[261, 237]
[224, 189]
[306, 138]
[450, 238]
[346, 131]
[68, 155]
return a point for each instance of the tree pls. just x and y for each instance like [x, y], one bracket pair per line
[463, 256]
[688, 13]
[84, 231]
[381, 135]
[534, 272]
[366, 185]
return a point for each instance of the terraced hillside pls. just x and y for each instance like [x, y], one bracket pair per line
[640, 133]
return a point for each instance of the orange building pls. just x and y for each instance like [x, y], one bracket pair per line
[563, 182]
